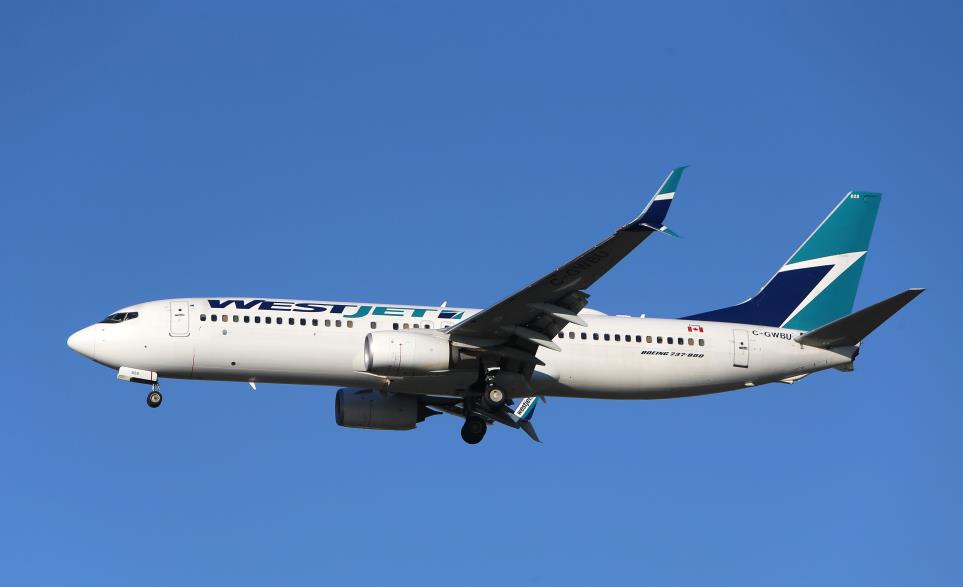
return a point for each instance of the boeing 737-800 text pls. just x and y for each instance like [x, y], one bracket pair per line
[398, 364]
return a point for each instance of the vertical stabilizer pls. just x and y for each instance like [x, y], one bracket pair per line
[818, 283]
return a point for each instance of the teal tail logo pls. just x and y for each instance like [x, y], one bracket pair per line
[818, 283]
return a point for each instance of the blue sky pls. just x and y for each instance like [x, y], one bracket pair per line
[420, 152]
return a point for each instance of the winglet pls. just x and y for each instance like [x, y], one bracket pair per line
[527, 427]
[655, 212]
[525, 409]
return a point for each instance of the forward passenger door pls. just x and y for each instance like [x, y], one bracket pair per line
[180, 318]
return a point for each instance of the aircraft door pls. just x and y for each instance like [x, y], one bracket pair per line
[740, 348]
[180, 318]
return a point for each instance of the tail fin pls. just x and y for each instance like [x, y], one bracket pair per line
[818, 283]
[852, 329]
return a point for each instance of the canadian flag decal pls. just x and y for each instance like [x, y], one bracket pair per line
[695, 328]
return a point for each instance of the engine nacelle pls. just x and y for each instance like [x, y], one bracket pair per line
[366, 408]
[405, 352]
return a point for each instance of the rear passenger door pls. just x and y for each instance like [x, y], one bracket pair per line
[740, 348]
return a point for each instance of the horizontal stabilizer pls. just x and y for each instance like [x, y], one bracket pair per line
[850, 330]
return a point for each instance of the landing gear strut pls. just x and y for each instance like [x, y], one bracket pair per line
[493, 398]
[154, 398]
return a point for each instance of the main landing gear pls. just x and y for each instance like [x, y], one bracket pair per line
[492, 401]
[474, 429]
[154, 398]
[493, 398]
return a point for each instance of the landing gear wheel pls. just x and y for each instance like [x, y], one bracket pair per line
[494, 398]
[474, 430]
[154, 398]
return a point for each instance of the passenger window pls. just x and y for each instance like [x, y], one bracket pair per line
[561, 335]
[668, 340]
[658, 339]
[648, 339]
[236, 318]
[406, 326]
[350, 324]
[595, 336]
[247, 319]
[267, 320]
[571, 335]
[290, 321]
[257, 319]
[414, 326]
[374, 326]
[638, 338]
[702, 342]
[304, 321]
[223, 317]
[314, 322]
[584, 336]
[691, 342]
[618, 338]
[327, 323]
[203, 318]
[395, 326]
[337, 324]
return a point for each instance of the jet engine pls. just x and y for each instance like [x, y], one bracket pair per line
[378, 410]
[405, 352]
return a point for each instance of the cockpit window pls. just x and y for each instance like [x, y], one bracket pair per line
[119, 317]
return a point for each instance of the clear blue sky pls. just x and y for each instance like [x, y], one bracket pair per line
[416, 152]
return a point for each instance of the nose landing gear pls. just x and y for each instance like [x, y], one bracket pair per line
[154, 398]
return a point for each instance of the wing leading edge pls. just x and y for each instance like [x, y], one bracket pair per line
[515, 327]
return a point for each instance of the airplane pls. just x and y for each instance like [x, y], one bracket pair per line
[398, 364]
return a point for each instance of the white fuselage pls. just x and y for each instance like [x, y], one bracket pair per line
[321, 343]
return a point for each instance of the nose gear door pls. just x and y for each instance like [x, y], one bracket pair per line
[180, 318]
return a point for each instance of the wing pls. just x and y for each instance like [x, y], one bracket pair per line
[512, 330]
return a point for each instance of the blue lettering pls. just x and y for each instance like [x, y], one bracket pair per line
[239, 304]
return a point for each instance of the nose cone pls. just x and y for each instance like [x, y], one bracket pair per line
[82, 342]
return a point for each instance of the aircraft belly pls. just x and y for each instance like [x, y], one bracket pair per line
[604, 372]
[286, 357]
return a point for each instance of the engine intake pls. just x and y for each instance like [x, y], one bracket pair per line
[405, 352]
[366, 408]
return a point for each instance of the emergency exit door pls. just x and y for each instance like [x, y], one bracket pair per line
[740, 348]
[180, 318]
